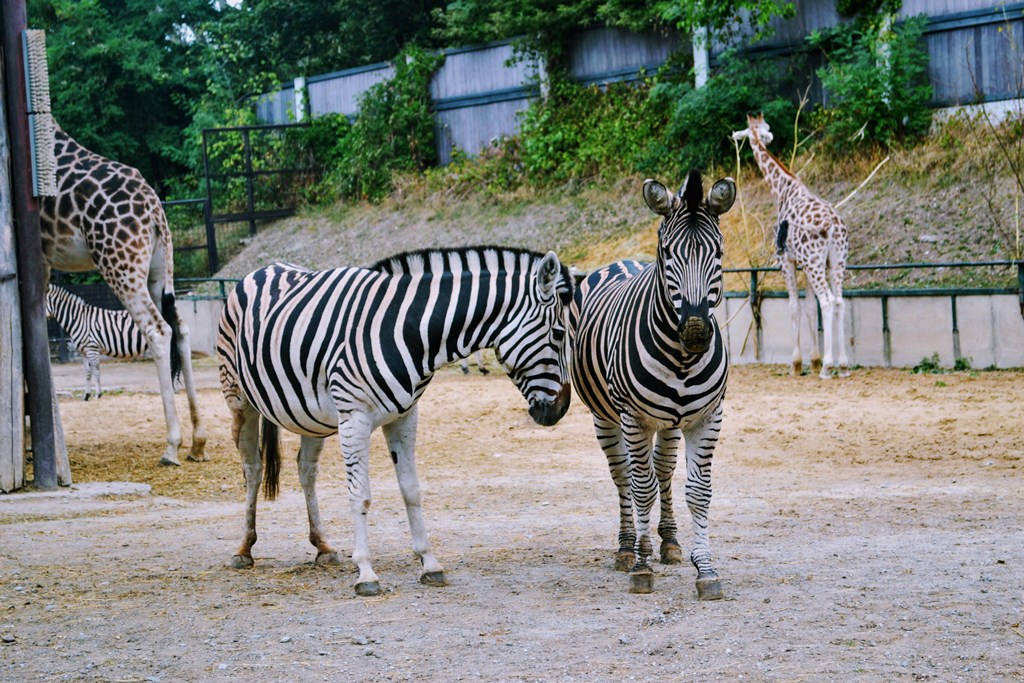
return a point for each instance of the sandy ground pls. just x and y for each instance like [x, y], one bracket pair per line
[870, 529]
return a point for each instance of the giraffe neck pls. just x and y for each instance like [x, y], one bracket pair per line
[779, 178]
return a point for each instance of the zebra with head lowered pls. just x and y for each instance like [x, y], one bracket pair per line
[94, 331]
[351, 349]
[649, 361]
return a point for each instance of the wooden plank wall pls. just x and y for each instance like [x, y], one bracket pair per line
[479, 92]
[12, 401]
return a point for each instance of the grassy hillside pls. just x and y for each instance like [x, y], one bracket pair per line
[942, 200]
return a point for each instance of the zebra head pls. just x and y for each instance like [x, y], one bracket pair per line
[690, 253]
[532, 346]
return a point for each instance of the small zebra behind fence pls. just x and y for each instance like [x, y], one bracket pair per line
[347, 350]
[649, 361]
[94, 332]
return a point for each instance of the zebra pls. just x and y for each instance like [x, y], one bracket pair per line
[94, 331]
[649, 360]
[348, 350]
[478, 356]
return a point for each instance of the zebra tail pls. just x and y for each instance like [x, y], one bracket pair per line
[270, 452]
[780, 238]
[170, 313]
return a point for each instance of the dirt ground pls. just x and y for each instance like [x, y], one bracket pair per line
[869, 529]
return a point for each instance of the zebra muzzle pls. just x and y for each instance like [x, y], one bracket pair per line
[548, 412]
[695, 334]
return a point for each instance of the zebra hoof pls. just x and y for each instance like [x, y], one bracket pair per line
[671, 553]
[368, 589]
[624, 560]
[844, 371]
[433, 579]
[329, 559]
[169, 462]
[641, 581]
[797, 369]
[241, 562]
[709, 588]
[816, 368]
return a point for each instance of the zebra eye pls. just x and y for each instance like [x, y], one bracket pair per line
[558, 334]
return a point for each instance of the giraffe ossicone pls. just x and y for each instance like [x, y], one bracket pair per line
[810, 235]
[108, 218]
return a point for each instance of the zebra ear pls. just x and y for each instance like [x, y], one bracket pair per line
[550, 267]
[658, 197]
[722, 196]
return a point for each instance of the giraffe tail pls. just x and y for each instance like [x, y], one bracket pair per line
[170, 313]
[270, 452]
[780, 238]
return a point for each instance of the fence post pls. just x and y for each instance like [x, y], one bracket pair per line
[250, 203]
[1020, 286]
[213, 264]
[755, 311]
[886, 337]
[956, 331]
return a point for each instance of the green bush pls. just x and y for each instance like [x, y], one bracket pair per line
[700, 121]
[393, 133]
[867, 102]
[586, 132]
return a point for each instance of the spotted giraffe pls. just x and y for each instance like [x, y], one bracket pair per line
[812, 236]
[106, 217]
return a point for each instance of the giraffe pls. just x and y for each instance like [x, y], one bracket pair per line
[106, 217]
[810, 235]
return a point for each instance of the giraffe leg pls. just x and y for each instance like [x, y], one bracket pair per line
[836, 281]
[643, 486]
[789, 275]
[828, 314]
[197, 452]
[609, 436]
[700, 447]
[245, 432]
[309, 467]
[354, 430]
[666, 446]
[401, 438]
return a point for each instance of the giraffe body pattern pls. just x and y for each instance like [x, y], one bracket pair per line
[811, 235]
[107, 217]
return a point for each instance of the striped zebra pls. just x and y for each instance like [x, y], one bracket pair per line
[94, 331]
[351, 349]
[649, 361]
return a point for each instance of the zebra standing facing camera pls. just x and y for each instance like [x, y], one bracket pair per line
[649, 361]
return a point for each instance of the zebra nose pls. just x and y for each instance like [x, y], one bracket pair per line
[695, 334]
[547, 412]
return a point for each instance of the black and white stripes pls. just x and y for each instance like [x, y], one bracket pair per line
[649, 361]
[94, 332]
[350, 349]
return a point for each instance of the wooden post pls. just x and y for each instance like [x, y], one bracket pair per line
[12, 388]
[29, 251]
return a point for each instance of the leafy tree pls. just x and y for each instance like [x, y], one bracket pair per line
[122, 73]
[876, 82]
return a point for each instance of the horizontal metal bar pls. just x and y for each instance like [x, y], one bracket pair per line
[895, 266]
[979, 17]
[248, 174]
[868, 293]
[182, 202]
[521, 92]
[243, 217]
[262, 126]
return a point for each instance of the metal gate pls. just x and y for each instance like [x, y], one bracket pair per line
[253, 174]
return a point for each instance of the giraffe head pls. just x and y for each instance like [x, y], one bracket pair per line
[690, 252]
[757, 130]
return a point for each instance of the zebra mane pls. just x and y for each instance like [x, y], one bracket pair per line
[419, 261]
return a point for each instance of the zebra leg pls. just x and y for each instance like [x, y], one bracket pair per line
[245, 427]
[401, 438]
[700, 447]
[309, 467]
[197, 452]
[354, 429]
[666, 446]
[643, 486]
[609, 436]
[87, 363]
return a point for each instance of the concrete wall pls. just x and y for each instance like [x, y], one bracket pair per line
[991, 330]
